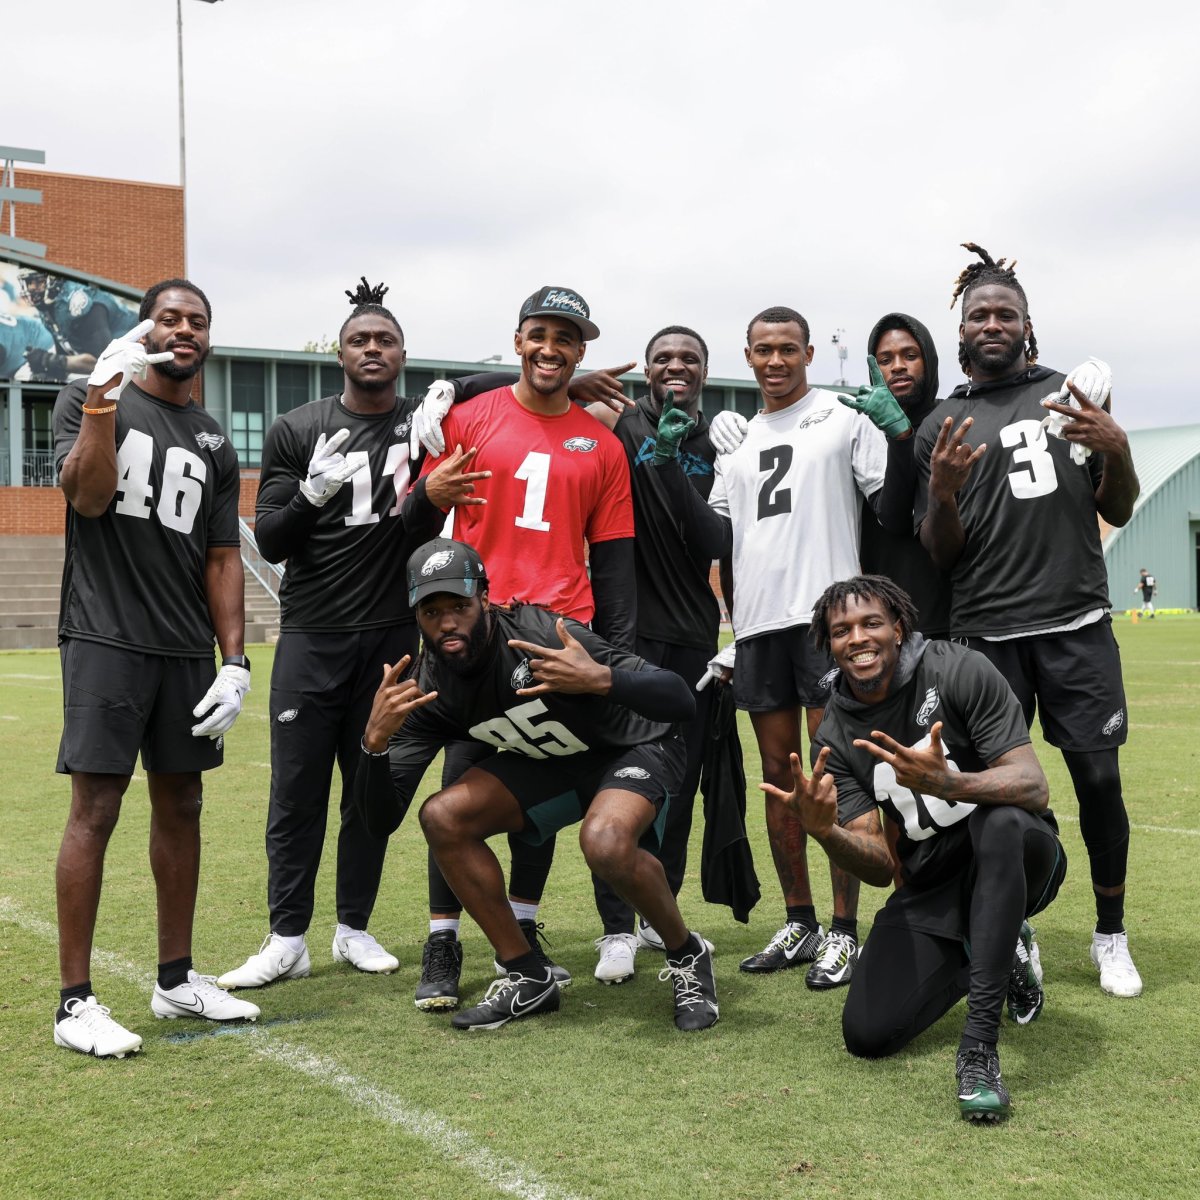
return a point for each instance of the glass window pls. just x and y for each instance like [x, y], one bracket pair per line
[712, 401]
[291, 386]
[747, 403]
[248, 404]
[332, 379]
[416, 382]
[37, 465]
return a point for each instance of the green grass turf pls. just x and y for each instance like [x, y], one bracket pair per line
[340, 1090]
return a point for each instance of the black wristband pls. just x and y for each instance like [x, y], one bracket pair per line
[236, 660]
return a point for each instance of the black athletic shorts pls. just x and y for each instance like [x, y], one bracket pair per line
[1072, 680]
[555, 792]
[779, 670]
[117, 701]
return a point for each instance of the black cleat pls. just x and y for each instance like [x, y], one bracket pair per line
[982, 1095]
[1025, 994]
[834, 963]
[793, 945]
[695, 986]
[510, 999]
[441, 966]
[535, 937]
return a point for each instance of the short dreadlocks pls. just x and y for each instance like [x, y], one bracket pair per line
[368, 301]
[867, 587]
[979, 274]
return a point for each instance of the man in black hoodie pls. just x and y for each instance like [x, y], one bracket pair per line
[928, 733]
[1014, 519]
[907, 358]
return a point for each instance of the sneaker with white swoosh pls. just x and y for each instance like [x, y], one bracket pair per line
[510, 999]
[792, 945]
[273, 962]
[88, 1028]
[199, 996]
[834, 963]
[982, 1095]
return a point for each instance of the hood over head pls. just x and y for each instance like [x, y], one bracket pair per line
[925, 398]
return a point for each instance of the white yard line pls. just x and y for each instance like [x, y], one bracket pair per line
[457, 1147]
[1140, 828]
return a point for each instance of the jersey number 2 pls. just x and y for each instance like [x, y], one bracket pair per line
[773, 500]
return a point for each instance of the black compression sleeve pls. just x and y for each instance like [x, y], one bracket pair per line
[653, 693]
[422, 518]
[380, 801]
[893, 503]
[703, 527]
[612, 588]
[283, 532]
[466, 387]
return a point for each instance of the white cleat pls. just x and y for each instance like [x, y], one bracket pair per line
[361, 950]
[617, 951]
[1118, 975]
[648, 939]
[199, 996]
[88, 1028]
[273, 962]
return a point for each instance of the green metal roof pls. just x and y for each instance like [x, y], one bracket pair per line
[1158, 454]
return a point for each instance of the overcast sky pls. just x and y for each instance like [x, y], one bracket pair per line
[685, 163]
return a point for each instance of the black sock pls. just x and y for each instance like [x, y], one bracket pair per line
[845, 925]
[172, 974]
[802, 914]
[1110, 913]
[527, 965]
[81, 991]
[691, 946]
[973, 1043]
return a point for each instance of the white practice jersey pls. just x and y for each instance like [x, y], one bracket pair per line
[793, 491]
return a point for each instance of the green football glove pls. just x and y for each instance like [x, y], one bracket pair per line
[673, 426]
[878, 405]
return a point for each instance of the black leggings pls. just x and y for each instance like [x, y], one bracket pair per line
[906, 979]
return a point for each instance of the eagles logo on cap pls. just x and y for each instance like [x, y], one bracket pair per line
[560, 302]
[444, 565]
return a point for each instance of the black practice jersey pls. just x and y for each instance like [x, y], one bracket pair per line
[345, 561]
[981, 720]
[134, 576]
[484, 705]
[675, 601]
[1032, 558]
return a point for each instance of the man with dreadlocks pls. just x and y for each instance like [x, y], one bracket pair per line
[1014, 519]
[344, 612]
[928, 733]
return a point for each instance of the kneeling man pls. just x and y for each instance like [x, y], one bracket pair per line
[582, 731]
[931, 734]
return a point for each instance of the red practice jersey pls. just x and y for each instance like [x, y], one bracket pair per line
[556, 482]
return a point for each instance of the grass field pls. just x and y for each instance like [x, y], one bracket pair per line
[344, 1089]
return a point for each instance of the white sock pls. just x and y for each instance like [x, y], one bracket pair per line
[345, 931]
[294, 944]
[440, 924]
[522, 911]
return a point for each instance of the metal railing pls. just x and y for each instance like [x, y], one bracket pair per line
[37, 468]
[268, 574]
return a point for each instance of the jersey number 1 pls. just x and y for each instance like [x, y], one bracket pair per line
[535, 471]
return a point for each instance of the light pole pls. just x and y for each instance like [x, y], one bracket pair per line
[839, 340]
[182, 132]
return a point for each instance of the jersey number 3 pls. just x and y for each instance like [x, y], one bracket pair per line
[1027, 440]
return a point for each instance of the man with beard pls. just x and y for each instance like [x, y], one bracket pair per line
[576, 730]
[555, 524]
[929, 735]
[153, 573]
[343, 613]
[1014, 519]
[671, 475]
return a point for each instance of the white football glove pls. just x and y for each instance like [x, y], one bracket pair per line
[328, 470]
[127, 357]
[727, 431]
[1094, 379]
[721, 662]
[226, 693]
[427, 420]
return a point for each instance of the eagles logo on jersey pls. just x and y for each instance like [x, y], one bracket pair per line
[631, 773]
[435, 562]
[522, 676]
[585, 445]
[210, 441]
[815, 418]
[928, 706]
[825, 683]
[402, 429]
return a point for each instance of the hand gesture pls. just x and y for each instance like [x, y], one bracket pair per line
[673, 426]
[813, 800]
[1085, 422]
[602, 387]
[571, 669]
[225, 700]
[328, 470]
[450, 484]
[123, 358]
[394, 700]
[727, 431]
[920, 770]
[878, 404]
[952, 459]
[428, 417]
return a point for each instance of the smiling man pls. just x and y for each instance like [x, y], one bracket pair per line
[929, 734]
[573, 730]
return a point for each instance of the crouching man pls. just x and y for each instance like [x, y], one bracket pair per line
[582, 731]
[931, 734]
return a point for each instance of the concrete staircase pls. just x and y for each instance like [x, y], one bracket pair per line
[30, 580]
